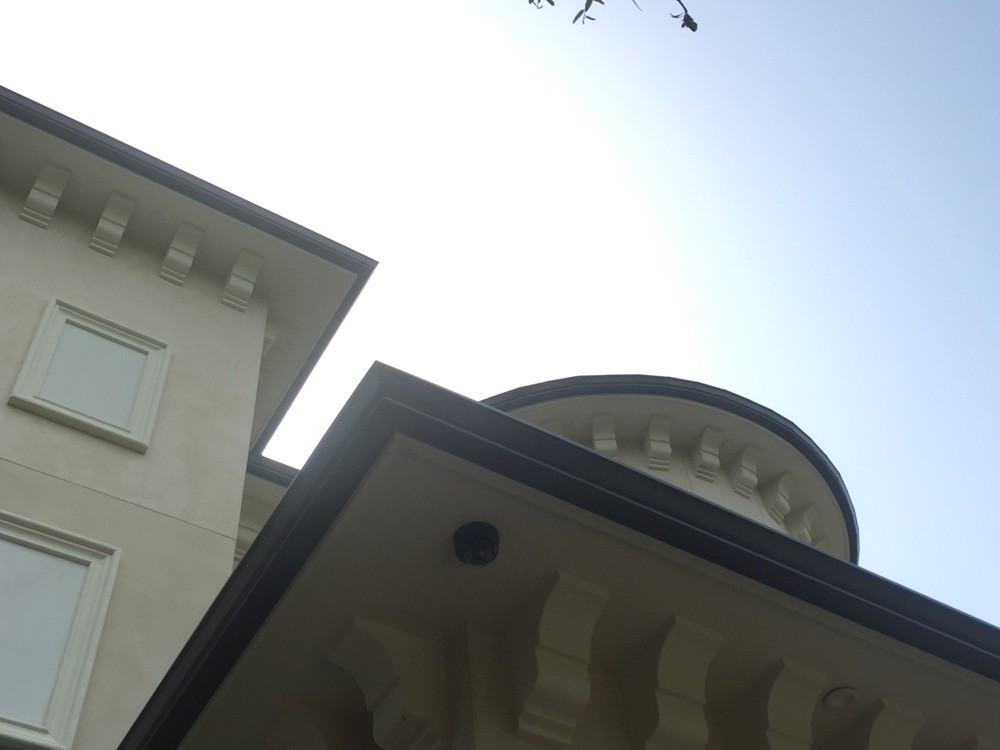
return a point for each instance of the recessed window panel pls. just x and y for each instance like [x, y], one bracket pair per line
[54, 588]
[93, 374]
[40, 592]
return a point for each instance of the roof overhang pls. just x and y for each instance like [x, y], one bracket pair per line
[308, 281]
[363, 503]
[535, 402]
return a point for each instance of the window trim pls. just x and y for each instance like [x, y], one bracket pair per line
[26, 394]
[65, 706]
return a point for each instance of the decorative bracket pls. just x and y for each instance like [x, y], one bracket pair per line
[241, 280]
[744, 471]
[658, 449]
[776, 494]
[885, 726]
[180, 254]
[705, 454]
[111, 225]
[402, 677]
[40, 205]
[603, 435]
[800, 523]
[549, 647]
[664, 688]
[776, 714]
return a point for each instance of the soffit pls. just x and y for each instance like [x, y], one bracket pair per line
[388, 557]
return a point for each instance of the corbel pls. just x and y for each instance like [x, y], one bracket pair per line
[180, 255]
[664, 688]
[776, 713]
[241, 280]
[776, 495]
[272, 332]
[402, 677]
[111, 226]
[603, 435]
[40, 205]
[743, 471]
[800, 523]
[705, 454]
[658, 448]
[549, 649]
[885, 726]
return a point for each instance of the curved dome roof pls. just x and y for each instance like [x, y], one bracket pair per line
[720, 446]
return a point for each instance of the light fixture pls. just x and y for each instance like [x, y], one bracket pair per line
[477, 543]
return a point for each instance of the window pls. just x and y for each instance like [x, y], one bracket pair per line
[55, 589]
[94, 375]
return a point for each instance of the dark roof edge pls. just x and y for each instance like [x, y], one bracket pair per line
[141, 163]
[270, 470]
[260, 444]
[389, 402]
[689, 390]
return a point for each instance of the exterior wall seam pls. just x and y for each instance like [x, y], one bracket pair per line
[120, 499]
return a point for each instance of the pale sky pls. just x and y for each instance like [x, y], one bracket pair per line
[798, 203]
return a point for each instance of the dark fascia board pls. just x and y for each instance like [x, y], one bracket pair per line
[390, 402]
[700, 393]
[270, 470]
[172, 178]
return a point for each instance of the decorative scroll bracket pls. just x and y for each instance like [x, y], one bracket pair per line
[549, 648]
[402, 677]
[664, 688]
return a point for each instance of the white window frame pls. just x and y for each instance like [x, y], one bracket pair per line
[63, 713]
[26, 393]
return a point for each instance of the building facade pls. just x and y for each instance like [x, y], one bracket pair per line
[610, 562]
[154, 329]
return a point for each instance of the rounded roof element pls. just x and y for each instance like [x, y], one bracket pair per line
[654, 423]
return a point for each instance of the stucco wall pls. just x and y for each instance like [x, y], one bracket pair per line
[173, 511]
[194, 467]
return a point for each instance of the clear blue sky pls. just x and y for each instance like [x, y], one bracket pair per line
[798, 203]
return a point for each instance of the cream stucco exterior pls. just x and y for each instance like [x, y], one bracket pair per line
[668, 566]
[92, 227]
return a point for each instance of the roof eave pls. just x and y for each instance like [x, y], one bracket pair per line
[388, 402]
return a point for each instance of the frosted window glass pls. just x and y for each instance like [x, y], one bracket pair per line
[39, 594]
[93, 375]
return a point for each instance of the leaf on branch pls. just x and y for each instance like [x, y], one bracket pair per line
[577, 16]
[688, 22]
